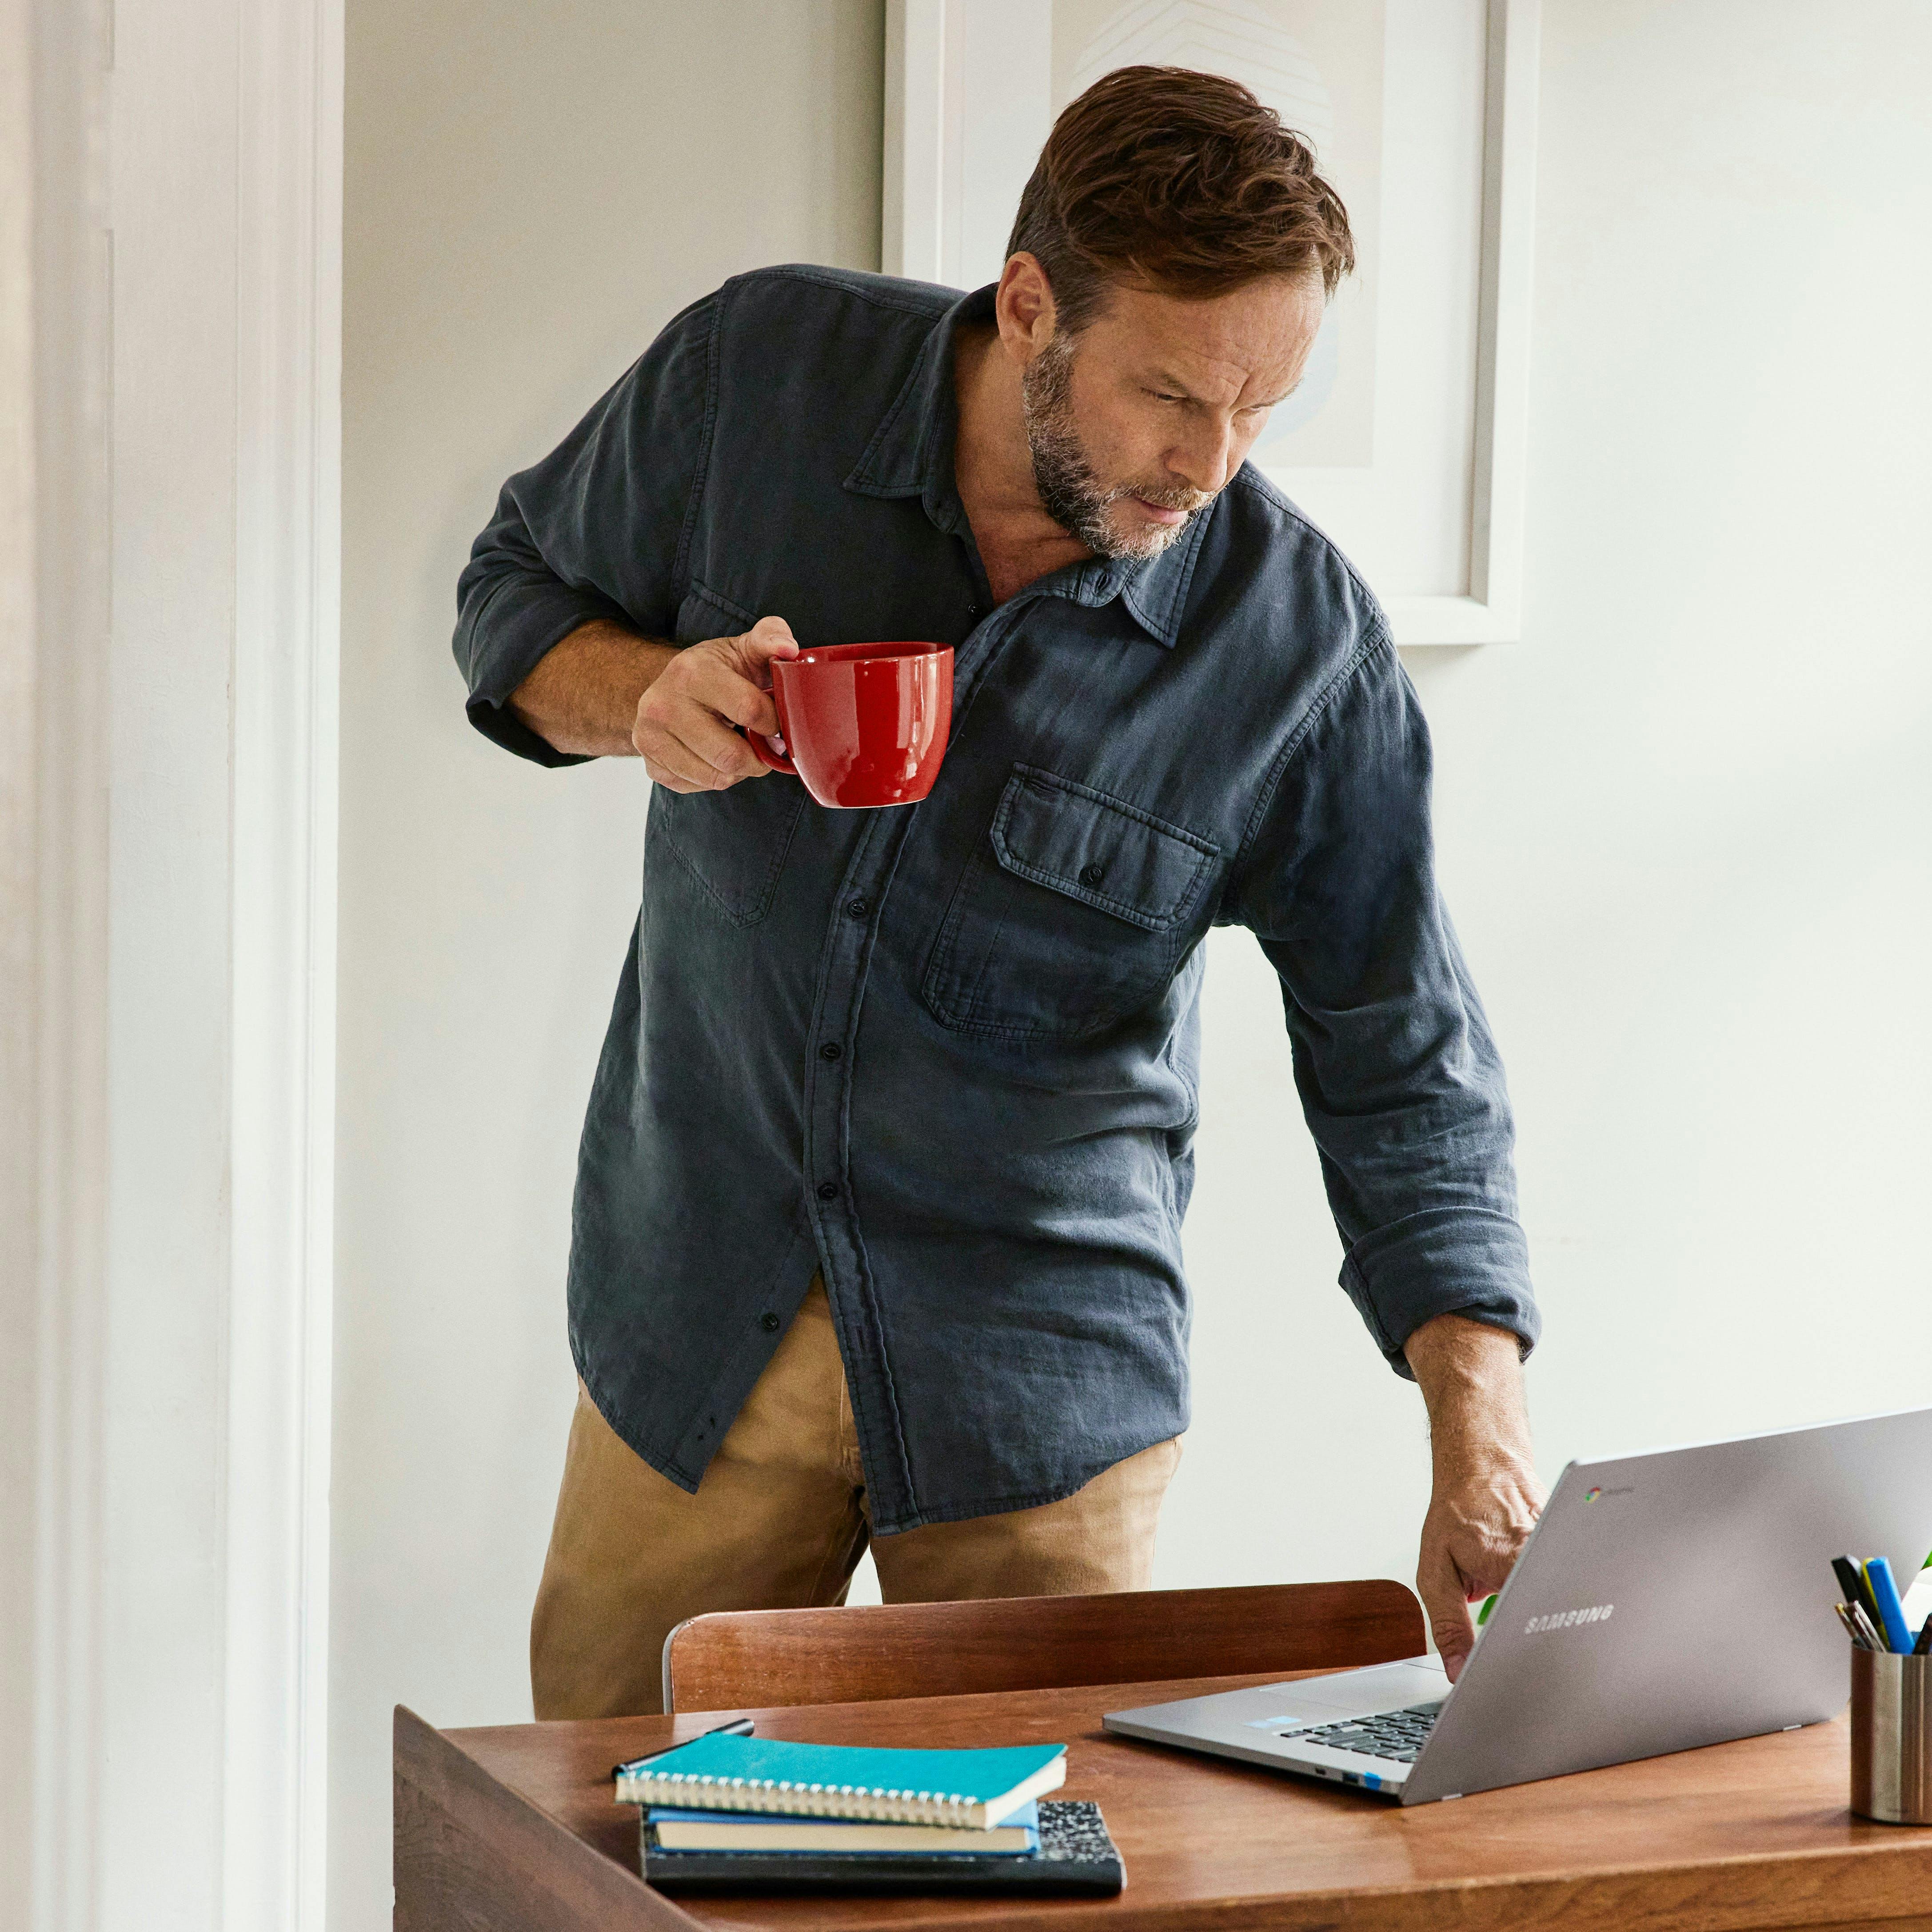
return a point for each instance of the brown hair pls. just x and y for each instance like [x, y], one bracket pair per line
[1162, 178]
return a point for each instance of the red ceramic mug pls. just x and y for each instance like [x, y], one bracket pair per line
[862, 724]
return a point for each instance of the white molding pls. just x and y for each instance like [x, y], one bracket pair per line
[288, 333]
[912, 216]
[1416, 621]
[924, 69]
[1492, 612]
[54, 775]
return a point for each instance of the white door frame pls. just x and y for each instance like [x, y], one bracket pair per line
[169, 851]
[288, 449]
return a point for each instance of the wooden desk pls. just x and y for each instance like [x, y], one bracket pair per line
[513, 1830]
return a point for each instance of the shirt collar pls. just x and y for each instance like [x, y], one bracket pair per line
[911, 455]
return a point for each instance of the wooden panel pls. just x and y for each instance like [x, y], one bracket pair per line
[1756, 1834]
[473, 1855]
[859, 1653]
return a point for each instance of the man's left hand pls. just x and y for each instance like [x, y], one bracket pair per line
[1486, 1498]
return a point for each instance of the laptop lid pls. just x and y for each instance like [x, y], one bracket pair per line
[1681, 1598]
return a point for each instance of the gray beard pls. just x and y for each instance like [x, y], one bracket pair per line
[1069, 492]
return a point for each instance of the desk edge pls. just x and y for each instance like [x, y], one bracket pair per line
[512, 1851]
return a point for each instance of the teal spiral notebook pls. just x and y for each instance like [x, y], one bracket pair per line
[976, 1789]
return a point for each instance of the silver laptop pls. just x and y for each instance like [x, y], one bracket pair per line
[1664, 1601]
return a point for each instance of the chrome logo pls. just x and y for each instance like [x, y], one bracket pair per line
[1590, 1495]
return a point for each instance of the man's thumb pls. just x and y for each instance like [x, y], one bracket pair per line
[768, 639]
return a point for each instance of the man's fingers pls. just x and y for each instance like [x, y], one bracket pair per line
[670, 780]
[1445, 1601]
[689, 774]
[722, 748]
[701, 753]
[673, 765]
[732, 695]
[1455, 1637]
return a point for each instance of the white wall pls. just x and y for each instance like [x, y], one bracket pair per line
[532, 192]
[1684, 824]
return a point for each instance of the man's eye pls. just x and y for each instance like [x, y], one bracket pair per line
[1161, 396]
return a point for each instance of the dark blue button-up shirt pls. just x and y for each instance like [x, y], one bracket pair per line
[947, 1054]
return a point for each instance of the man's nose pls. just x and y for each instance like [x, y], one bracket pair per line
[1205, 461]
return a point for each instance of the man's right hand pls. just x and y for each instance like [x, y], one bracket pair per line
[683, 727]
[605, 692]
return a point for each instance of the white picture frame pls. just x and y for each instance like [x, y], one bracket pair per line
[968, 99]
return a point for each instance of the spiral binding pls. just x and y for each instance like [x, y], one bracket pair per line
[706, 1792]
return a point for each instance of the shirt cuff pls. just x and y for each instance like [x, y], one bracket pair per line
[1444, 1260]
[500, 644]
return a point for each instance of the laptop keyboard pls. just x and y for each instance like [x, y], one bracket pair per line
[1397, 1735]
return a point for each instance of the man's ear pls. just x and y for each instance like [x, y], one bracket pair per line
[1024, 306]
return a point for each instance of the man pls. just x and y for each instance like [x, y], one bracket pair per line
[877, 1224]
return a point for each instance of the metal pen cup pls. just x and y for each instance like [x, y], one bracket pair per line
[1892, 1737]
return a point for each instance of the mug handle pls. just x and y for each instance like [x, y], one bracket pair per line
[777, 760]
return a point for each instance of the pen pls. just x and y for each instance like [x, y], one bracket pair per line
[1891, 1611]
[1846, 1617]
[1866, 1628]
[739, 1727]
[1923, 1647]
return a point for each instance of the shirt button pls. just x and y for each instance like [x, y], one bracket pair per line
[856, 908]
[976, 611]
[1092, 875]
[769, 1322]
[830, 1050]
[828, 1190]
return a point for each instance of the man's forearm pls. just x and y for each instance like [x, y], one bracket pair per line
[1485, 1497]
[1471, 1376]
[582, 697]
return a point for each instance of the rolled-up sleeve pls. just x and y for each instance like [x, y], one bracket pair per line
[598, 529]
[1399, 1077]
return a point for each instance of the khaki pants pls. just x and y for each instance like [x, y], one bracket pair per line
[779, 1522]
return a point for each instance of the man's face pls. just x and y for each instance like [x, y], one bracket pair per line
[1136, 422]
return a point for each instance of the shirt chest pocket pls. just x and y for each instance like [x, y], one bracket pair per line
[1074, 912]
[732, 843]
